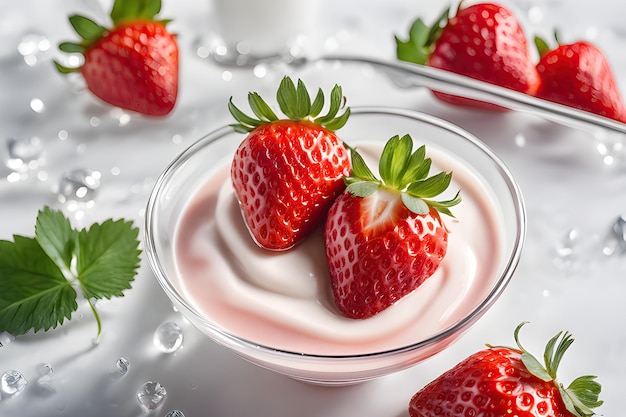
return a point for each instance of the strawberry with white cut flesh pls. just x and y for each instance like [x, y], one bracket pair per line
[502, 381]
[385, 237]
[287, 172]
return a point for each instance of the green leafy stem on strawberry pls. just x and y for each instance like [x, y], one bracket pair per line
[581, 395]
[91, 32]
[295, 103]
[384, 237]
[503, 381]
[404, 171]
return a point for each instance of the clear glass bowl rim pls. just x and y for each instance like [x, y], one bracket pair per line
[449, 332]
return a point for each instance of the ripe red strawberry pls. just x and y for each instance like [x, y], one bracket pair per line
[502, 381]
[286, 173]
[483, 41]
[384, 238]
[134, 64]
[579, 75]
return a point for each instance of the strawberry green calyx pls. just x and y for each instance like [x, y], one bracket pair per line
[543, 47]
[405, 172]
[422, 39]
[295, 103]
[581, 396]
[91, 32]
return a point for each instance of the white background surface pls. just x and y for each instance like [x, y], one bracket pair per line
[571, 189]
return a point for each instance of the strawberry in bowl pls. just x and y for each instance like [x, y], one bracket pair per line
[385, 237]
[287, 172]
[133, 64]
[276, 308]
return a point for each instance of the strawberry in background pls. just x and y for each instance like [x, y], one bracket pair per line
[132, 65]
[502, 381]
[384, 237]
[579, 75]
[483, 41]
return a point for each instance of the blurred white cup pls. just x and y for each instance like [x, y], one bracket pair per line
[246, 31]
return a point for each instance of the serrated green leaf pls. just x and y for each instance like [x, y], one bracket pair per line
[55, 235]
[86, 28]
[107, 259]
[34, 293]
[418, 166]
[362, 188]
[414, 204]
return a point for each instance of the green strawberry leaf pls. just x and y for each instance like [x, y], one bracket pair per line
[107, 259]
[415, 204]
[295, 103]
[404, 171]
[56, 237]
[362, 188]
[86, 28]
[72, 48]
[39, 276]
[419, 45]
[133, 9]
[581, 396]
[394, 160]
[34, 293]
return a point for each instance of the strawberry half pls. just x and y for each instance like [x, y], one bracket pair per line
[502, 381]
[134, 64]
[579, 75]
[286, 173]
[384, 238]
[483, 41]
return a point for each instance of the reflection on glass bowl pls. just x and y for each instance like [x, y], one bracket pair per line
[275, 330]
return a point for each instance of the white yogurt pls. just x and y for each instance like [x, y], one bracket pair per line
[284, 300]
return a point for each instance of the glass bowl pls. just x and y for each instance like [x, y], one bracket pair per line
[339, 361]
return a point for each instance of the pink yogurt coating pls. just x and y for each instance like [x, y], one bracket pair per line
[283, 299]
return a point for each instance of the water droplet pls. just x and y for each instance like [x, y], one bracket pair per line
[44, 369]
[6, 338]
[168, 337]
[44, 382]
[616, 239]
[151, 395]
[12, 383]
[175, 413]
[122, 365]
[78, 186]
[25, 154]
[565, 249]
